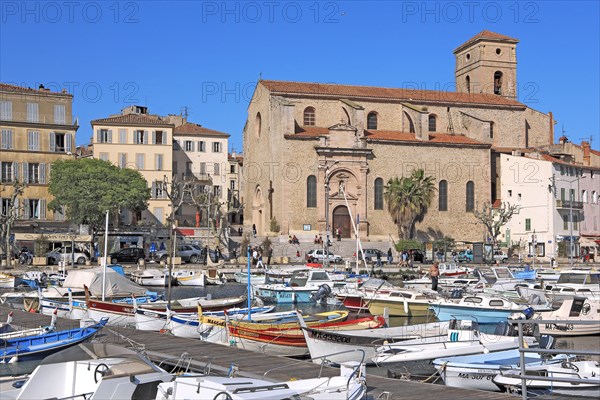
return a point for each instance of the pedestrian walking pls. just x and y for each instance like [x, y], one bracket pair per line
[205, 255]
[390, 256]
[254, 257]
[378, 260]
[434, 272]
[260, 262]
[254, 230]
[269, 254]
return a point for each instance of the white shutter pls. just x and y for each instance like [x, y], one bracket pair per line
[36, 141]
[68, 139]
[16, 207]
[59, 114]
[122, 136]
[52, 141]
[26, 172]
[109, 139]
[6, 110]
[26, 208]
[16, 176]
[4, 143]
[98, 136]
[145, 137]
[153, 137]
[29, 140]
[42, 173]
[153, 191]
[42, 213]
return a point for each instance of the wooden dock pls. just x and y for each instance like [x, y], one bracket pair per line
[159, 347]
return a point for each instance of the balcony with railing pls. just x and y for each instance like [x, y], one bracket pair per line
[197, 176]
[568, 204]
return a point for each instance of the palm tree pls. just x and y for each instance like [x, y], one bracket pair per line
[407, 200]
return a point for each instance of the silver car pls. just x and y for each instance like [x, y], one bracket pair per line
[66, 256]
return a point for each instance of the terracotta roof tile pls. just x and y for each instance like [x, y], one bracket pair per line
[132, 119]
[511, 149]
[314, 131]
[194, 129]
[485, 34]
[441, 138]
[371, 92]
[7, 87]
[497, 203]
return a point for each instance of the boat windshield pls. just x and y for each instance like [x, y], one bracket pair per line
[580, 279]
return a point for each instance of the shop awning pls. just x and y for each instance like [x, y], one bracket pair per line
[53, 237]
[590, 241]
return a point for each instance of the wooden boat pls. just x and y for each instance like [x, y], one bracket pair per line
[463, 338]
[350, 345]
[478, 371]
[8, 331]
[584, 370]
[357, 299]
[575, 309]
[94, 372]
[152, 277]
[190, 278]
[212, 277]
[255, 279]
[403, 303]
[39, 346]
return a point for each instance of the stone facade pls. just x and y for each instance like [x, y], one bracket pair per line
[37, 129]
[350, 136]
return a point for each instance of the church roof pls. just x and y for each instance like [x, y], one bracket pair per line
[397, 94]
[133, 119]
[194, 129]
[435, 138]
[487, 35]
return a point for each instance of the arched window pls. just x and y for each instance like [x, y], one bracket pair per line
[584, 198]
[432, 123]
[258, 125]
[498, 82]
[378, 194]
[309, 116]
[470, 203]
[595, 197]
[411, 126]
[372, 120]
[443, 196]
[468, 83]
[311, 191]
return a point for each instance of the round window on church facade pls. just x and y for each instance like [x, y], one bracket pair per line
[468, 56]
[498, 51]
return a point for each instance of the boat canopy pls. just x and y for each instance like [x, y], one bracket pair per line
[116, 284]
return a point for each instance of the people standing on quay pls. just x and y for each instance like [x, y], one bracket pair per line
[254, 230]
[434, 272]
[390, 257]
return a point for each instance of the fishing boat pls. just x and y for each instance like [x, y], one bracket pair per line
[481, 308]
[7, 281]
[94, 372]
[152, 277]
[190, 278]
[299, 289]
[335, 346]
[255, 279]
[350, 384]
[357, 299]
[478, 371]
[575, 309]
[39, 346]
[212, 277]
[463, 338]
[8, 331]
[403, 303]
[588, 371]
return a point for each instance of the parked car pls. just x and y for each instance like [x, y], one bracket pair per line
[500, 256]
[127, 255]
[371, 256]
[66, 255]
[319, 256]
[465, 256]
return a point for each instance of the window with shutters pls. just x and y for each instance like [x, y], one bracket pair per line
[311, 191]
[5, 207]
[158, 162]
[32, 112]
[443, 196]
[217, 191]
[6, 142]
[122, 160]
[161, 137]
[33, 210]
[188, 145]
[378, 203]
[33, 173]
[565, 222]
[7, 172]
[217, 169]
[62, 143]
[140, 137]
[159, 190]
[527, 224]
[103, 136]
[123, 136]
[201, 146]
[33, 141]
[232, 185]
[470, 203]
[140, 160]
[216, 147]
[59, 114]
[203, 168]
[158, 214]
[6, 110]
[104, 156]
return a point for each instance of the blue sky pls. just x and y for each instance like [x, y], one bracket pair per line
[208, 55]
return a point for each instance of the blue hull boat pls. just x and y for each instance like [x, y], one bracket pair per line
[287, 295]
[39, 346]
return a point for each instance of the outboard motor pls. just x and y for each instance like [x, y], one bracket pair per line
[456, 294]
[321, 294]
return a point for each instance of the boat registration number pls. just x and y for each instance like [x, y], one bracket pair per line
[567, 327]
[475, 377]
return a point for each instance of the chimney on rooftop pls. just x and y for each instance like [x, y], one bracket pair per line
[586, 152]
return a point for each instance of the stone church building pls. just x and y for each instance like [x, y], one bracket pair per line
[301, 136]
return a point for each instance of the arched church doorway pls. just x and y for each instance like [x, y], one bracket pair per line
[341, 219]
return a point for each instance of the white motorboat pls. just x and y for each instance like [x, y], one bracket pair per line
[93, 372]
[403, 302]
[349, 385]
[585, 370]
[151, 277]
[189, 277]
[255, 279]
[478, 371]
[7, 281]
[575, 309]
[463, 338]
[572, 282]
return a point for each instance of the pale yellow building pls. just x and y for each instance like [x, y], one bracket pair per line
[138, 140]
[37, 129]
[300, 137]
[234, 188]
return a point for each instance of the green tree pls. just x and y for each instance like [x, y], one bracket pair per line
[87, 187]
[407, 200]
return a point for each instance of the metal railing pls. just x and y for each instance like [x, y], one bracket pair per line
[522, 350]
[569, 204]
